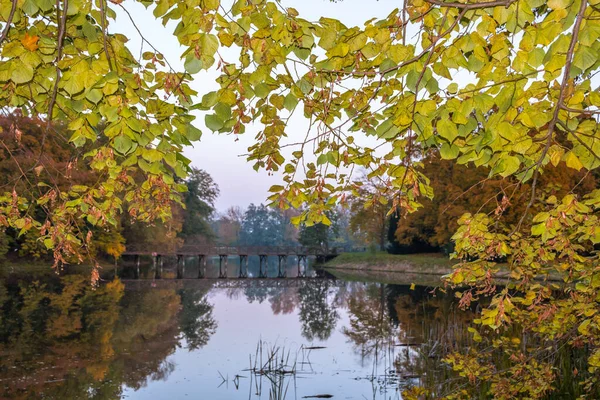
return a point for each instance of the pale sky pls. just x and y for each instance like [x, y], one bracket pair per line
[219, 155]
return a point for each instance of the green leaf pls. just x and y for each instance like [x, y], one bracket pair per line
[223, 111]
[210, 44]
[192, 64]
[536, 57]
[511, 165]
[585, 57]
[193, 133]
[94, 95]
[262, 90]
[449, 151]
[447, 129]
[74, 85]
[122, 144]
[21, 73]
[290, 102]
[213, 122]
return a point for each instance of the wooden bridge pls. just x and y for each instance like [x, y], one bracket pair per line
[224, 252]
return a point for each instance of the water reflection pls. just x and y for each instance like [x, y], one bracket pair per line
[60, 339]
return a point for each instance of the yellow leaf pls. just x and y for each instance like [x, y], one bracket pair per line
[572, 161]
[30, 42]
[558, 4]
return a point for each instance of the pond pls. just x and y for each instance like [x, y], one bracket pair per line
[293, 338]
[219, 339]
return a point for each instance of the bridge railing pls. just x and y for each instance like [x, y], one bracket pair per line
[215, 250]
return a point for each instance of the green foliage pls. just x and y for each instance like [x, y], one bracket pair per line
[320, 235]
[199, 202]
[264, 226]
[369, 212]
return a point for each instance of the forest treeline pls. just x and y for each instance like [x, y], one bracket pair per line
[364, 221]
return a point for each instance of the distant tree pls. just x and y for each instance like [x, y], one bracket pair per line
[228, 225]
[199, 200]
[368, 209]
[263, 226]
[156, 236]
[320, 235]
[345, 237]
[291, 232]
[460, 189]
[109, 241]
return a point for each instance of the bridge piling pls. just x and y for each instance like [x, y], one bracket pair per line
[201, 266]
[137, 266]
[282, 261]
[243, 266]
[223, 258]
[180, 266]
[158, 266]
[262, 259]
[301, 257]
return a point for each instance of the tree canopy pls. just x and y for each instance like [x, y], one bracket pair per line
[507, 85]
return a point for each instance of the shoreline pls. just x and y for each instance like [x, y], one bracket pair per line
[403, 269]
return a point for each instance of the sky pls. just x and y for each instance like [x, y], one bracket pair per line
[222, 155]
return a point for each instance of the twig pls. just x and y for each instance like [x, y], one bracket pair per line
[9, 21]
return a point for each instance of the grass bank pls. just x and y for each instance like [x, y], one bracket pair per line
[436, 264]
[39, 268]
[425, 269]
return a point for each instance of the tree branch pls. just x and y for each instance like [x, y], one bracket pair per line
[62, 23]
[9, 21]
[104, 34]
[473, 6]
[559, 106]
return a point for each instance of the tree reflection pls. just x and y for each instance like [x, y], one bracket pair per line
[284, 300]
[370, 324]
[196, 318]
[59, 332]
[318, 315]
[62, 339]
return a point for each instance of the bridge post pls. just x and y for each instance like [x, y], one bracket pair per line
[223, 258]
[243, 266]
[180, 266]
[263, 259]
[158, 263]
[301, 257]
[137, 266]
[201, 266]
[282, 260]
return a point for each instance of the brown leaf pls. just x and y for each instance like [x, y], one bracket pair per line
[30, 42]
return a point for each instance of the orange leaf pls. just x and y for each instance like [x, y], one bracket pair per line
[30, 42]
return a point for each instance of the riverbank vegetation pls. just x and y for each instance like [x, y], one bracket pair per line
[383, 261]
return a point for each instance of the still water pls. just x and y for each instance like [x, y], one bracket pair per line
[221, 339]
